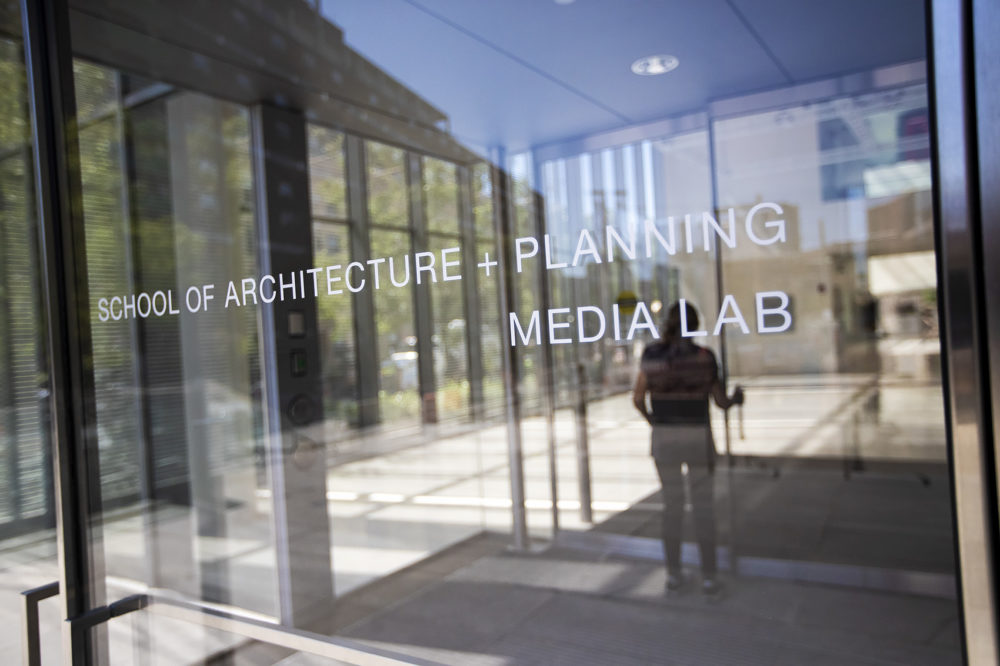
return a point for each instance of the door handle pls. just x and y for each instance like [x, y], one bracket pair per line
[32, 649]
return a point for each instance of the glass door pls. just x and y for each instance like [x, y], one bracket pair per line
[429, 331]
[841, 372]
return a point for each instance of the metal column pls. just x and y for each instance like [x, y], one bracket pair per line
[291, 364]
[512, 404]
[364, 300]
[719, 290]
[962, 298]
[470, 293]
[548, 360]
[49, 64]
[424, 318]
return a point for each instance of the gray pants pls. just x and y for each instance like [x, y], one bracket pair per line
[702, 482]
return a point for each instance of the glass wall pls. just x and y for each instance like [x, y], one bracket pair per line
[845, 247]
[451, 364]
[28, 545]
[388, 206]
[784, 200]
[167, 206]
[331, 247]
[513, 372]
[25, 461]
[490, 321]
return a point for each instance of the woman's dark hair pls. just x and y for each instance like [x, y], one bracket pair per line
[672, 326]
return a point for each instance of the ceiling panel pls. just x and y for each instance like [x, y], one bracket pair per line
[491, 100]
[820, 39]
[523, 73]
[589, 47]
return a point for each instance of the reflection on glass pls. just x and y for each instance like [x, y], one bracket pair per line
[399, 379]
[859, 262]
[167, 198]
[336, 330]
[387, 185]
[24, 440]
[28, 547]
[327, 180]
[331, 247]
[491, 341]
[450, 349]
[118, 415]
[440, 196]
[526, 296]
[834, 473]
[482, 201]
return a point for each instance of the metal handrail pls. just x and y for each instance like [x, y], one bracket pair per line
[31, 650]
[342, 650]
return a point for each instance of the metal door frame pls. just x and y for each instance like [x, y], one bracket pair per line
[965, 98]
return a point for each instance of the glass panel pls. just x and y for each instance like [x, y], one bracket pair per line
[336, 333]
[399, 378]
[167, 208]
[861, 356]
[28, 553]
[104, 203]
[440, 196]
[99, 91]
[449, 325]
[491, 337]
[23, 420]
[719, 307]
[618, 208]
[326, 173]
[387, 185]
[482, 200]
[23, 416]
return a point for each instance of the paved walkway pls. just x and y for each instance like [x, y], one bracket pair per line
[390, 511]
[567, 607]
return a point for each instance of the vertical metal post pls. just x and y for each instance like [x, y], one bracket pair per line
[580, 295]
[723, 348]
[137, 338]
[424, 318]
[583, 446]
[618, 220]
[548, 363]
[291, 369]
[363, 301]
[548, 368]
[966, 339]
[734, 560]
[48, 58]
[597, 282]
[503, 218]
[470, 293]
[986, 49]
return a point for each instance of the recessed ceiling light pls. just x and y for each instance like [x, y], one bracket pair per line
[565, 2]
[655, 64]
